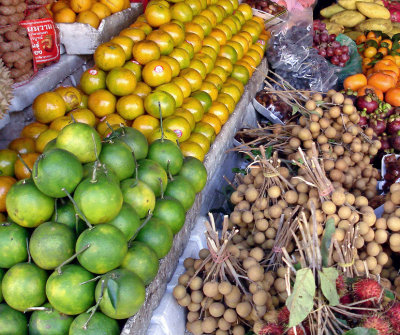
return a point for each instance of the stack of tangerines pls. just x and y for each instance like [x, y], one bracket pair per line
[183, 65]
[85, 11]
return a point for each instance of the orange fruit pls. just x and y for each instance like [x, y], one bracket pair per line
[156, 72]
[204, 23]
[144, 26]
[101, 10]
[231, 24]
[227, 31]
[247, 36]
[195, 5]
[158, 2]
[181, 12]
[166, 134]
[210, 89]
[163, 40]
[206, 61]
[71, 96]
[211, 42]
[215, 80]
[21, 172]
[33, 130]
[184, 85]
[210, 52]
[109, 56]
[88, 17]
[237, 22]
[175, 31]
[44, 138]
[203, 4]
[227, 6]
[242, 41]
[240, 16]
[130, 106]
[188, 47]
[92, 80]
[187, 116]
[56, 6]
[179, 23]
[22, 145]
[194, 28]
[194, 106]
[235, 3]
[218, 11]
[135, 67]
[201, 140]
[83, 115]
[232, 90]
[219, 35]
[103, 128]
[121, 81]
[192, 149]
[142, 89]
[199, 66]
[48, 106]
[228, 101]
[174, 90]
[135, 34]
[179, 126]
[159, 104]
[258, 48]
[64, 15]
[220, 72]
[181, 56]
[146, 51]
[225, 63]
[252, 30]
[5, 184]
[101, 103]
[235, 82]
[229, 52]
[126, 43]
[206, 129]
[255, 55]
[249, 60]
[210, 15]
[157, 14]
[220, 111]
[59, 123]
[173, 64]
[79, 6]
[212, 120]
[238, 48]
[146, 124]
[262, 42]
[114, 5]
[193, 77]
[84, 101]
[246, 10]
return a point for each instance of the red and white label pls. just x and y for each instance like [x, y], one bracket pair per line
[134, 61]
[178, 133]
[158, 69]
[262, 42]
[93, 72]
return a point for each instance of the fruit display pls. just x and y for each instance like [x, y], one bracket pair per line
[274, 104]
[85, 11]
[5, 87]
[266, 6]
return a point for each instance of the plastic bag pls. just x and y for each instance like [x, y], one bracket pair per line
[292, 57]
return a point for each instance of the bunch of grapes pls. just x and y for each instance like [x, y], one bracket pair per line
[327, 45]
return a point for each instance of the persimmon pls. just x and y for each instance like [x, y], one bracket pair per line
[382, 81]
[390, 73]
[377, 91]
[355, 82]
[386, 64]
[392, 96]
[361, 39]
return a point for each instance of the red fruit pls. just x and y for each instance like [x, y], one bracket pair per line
[272, 329]
[346, 299]
[379, 323]
[368, 289]
[394, 317]
[283, 316]
[299, 331]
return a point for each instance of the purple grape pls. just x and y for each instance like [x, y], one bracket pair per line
[329, 52]
[324, 37]
[345, 49]
[338, 52]
[335, 44]
[323, 45]
[322, 52]
[322, 26]
[332, 37]
[335, 60]
[316, 39]
[344, 58]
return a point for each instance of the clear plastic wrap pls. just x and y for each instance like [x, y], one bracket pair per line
[291, 55]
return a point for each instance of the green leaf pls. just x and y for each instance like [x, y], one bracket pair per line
[112, 290]
[389, 294]
[361, 331]
[237, 170]
[268, 152]
[326, 241]
[328, 278]
[295, 109]
[300, 303]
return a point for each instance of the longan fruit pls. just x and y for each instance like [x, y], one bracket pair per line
[260, 297]
[230, 315]
[382, 258]
[360, 267]
[369, 236]
[328, 207]
[255, 273]
[204, 253]
[241, 188]
[373, 248]
[248, 179]
[183, 279]
[221, 332]
[195, 327]
[363, 227]
[350, 199]
[275, 211]
[185, 301]
[196, 283]
[280, 284]
[344, 212]
[270, 233]
[197, 264]
[247, 217]
[359, 242]
[258, 215]
[262, 225]
[257, 253]
[338, 198]
[197, 297]
[236, 197]
[381, 223]
[311, 105]
[209, 325]
[210, 289]
[193, 307]
[344, 224]
[179, 292]
[394, 240]
[259, 237]
[193, 316]
[223, 324]
[361, 201]
[381, 236]
[243, 309]
[238, 330]
[339, 234]
[393, 223]
[261, 203]
[251, 194]
[216, 309]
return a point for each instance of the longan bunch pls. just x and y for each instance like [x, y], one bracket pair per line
[344, 146]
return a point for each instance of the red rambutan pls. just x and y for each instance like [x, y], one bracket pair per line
[346, 299]
[283, 316]
[272, 329]
[393, 315]
[299, 331]
[368, 289]
[379, 323]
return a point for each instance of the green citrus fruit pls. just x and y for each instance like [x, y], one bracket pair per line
[51, 244]
[171, 212]
[134, 139]
[65, 213]
[50, 145]
[12, 244]
[101, 170]
[159, 103]
[23, 286]
[99, 200]
[153, 174]
[92, 80]
[57, 169]
[7, 161]
[195, 172]
[1, 278]
[80, 139]
[65, 292]
[49, 322]
[130, 294]
[167, 154]
[139, 195]
[157, 235]
[204, 99]
[118, 156]
[181, 189]
[27, 206]
[12, 321]
[127, 221]
[141, 260]
[99, 324]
